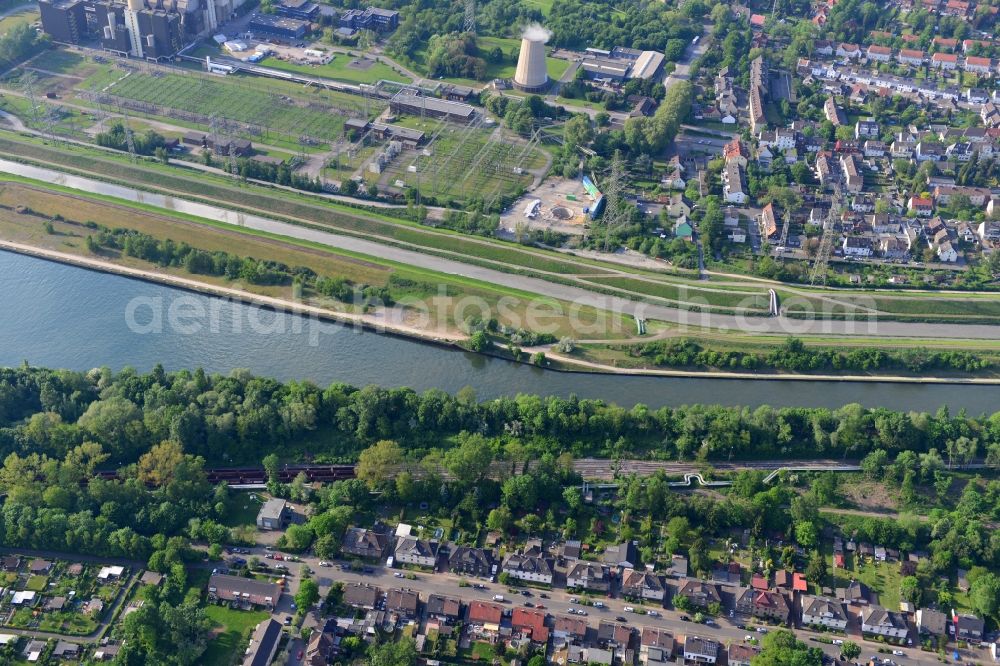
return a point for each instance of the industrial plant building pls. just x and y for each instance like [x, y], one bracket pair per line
[622, 64]
[281, 27]
[532, 73]
[412, 104]
[151, 31]
[372, 18]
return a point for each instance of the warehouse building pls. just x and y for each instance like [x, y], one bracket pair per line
[410, 103]
[621, 64]
[278, 26]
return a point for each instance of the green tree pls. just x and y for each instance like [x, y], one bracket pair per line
[393, 653]
[307, 595]
[850, 650]
[379, 463]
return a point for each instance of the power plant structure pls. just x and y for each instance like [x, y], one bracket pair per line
[532, 75]
[147, 29]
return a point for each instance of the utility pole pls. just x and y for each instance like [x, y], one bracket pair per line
[28, 84]
[129, 139]
[818, 274]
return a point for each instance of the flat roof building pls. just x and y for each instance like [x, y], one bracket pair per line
[420, 105]
[278, 26]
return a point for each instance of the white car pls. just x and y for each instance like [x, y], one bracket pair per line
[652, 613]
[598, 604]
[571, 610]
[898, 653]
[761, 630]
[581, 612]
[398, 575]
[837, 641]
[629, 609]
[748, 638]
[324, 563]
[573, 600]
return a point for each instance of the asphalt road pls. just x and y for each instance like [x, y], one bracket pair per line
[574, 294]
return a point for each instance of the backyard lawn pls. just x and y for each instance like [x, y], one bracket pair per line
[883, 578]
[233, 627]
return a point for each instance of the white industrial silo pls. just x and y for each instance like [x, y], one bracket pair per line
[531, 74]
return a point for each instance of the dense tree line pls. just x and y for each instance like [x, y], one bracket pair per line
[240, 417]
[794, 356]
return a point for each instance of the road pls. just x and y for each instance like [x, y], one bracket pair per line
[559, 602]
[578, 295]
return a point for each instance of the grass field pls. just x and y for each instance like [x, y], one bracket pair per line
[232, 628]
[27, 14]
[340, 68]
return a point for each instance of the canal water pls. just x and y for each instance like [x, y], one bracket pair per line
[63, 316]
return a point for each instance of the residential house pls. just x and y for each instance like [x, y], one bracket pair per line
[640, 584]
[569, 629]
[274, 514]
[625, 555]
[931, 622]
[699, 650]
[770, 605]
[857, 246]
[881, 622]
[656, 647]
[990, 114]
[768, 221]
[946, 252]
[322, 646]
[39, 566]
[471, 561]
[68, 650]
[944, 61]
[874, 148]
[402, 602]
[978, 196]
[834, 113]
[34, 649]
[613, 635]
[10, 563]
[741, 654]
[853, 180]
[245, 593]
[530, 624]
[263, 644]
[534, 569]
[446, 609]
[364, 543]
[734, 184]
[735, 151]
[969, 627]
[416, 551]
[989, 231]
[699, 592]
[486, 618]
[866, 129]
[588, 576]
[823, 612]
[361, 595]
[825, 173]
[849, 51]
[894, 247]
[929, 152]
[921, 206]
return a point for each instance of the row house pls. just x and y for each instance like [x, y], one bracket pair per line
[823, 612]
[911, 57]
[881, 622]
[945, 43]
[921, 206]
[894, 247]
[757, 94]
[768, 221]
[969, 627]
[588, 576]
[403, 602]
[834, 113]
[735, 151]
[978, 196]
[931, 622]
[959, 152]
[978, 65]
[781, 139]
[970, 44]
[530, 624]
[873, 148]
[944, 61]
[853, 180]
[734, 187]
[444, 609]
[742, 654]
[485, 619]
[699, 650]
[879, 53]
[990, 114]
[656, 647]
[929, 152]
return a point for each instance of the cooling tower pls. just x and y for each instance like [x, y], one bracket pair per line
[531, 75]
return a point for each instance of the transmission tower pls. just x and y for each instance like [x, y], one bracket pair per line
[129, 139]
[614, 188]
[28, 84]
[818, 274]
[470, 16]
[783, 243]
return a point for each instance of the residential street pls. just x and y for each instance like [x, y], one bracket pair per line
[558, 603]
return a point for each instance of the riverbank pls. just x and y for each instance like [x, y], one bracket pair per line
[378, 324]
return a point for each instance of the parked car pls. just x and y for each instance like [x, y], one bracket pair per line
[498, 597]
[653, 613]
[898, 653]
[685, 618]
[621, 618]
[629, 609]
[837, 641]
[598, 604]
[761, 630]
[324, 563]
[398, 574]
